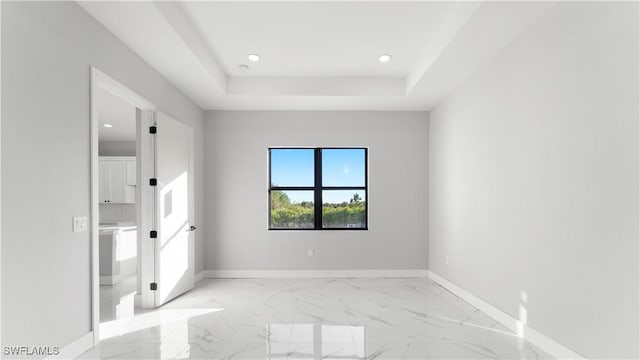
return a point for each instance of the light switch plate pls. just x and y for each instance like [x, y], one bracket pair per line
[79, 224]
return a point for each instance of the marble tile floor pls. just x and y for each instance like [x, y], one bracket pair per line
[377, 318]
[117, 301]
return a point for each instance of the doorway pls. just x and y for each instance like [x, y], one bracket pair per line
[116, 201]
[142, 206]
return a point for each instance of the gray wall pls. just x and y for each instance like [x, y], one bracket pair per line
[47, 51]
[236, 173]
[117, 148]
[534, 179]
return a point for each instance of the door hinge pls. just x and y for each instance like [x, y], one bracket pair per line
[153, 234]
[153, 129]
[153, 286]
[153, 182]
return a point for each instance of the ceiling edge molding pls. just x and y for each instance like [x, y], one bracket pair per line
[181, 24]
[449, 28]
[317, 86]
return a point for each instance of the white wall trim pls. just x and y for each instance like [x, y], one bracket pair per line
[199, 276]
[146, 204]
[283, 274]
[0, 178]
[75, 348]
[538, 339]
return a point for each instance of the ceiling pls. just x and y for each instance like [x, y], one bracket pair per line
[311, 39]
[118, 113]
[316, 55]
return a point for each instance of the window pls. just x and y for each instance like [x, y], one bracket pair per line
[318, 188]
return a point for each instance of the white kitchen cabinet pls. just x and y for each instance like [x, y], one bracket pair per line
[118, 253]
[104, 176]
[130, 165]
[117, 180]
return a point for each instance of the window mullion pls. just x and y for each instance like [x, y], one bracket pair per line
[318, 188]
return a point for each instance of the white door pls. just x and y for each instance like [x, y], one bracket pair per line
[174, 245]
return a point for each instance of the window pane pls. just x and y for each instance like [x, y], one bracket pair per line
[343, 209]
[343, 167]
[291, 209]
[292, 167]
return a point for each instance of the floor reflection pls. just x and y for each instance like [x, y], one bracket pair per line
[118, 301]
[315, 341]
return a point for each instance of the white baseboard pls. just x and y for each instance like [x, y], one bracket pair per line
[309, 274]
[75, 348]
[545, 343]
[199, 276]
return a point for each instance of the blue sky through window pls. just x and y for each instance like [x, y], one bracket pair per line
[343, 167]
[292, 167]
[340, 167]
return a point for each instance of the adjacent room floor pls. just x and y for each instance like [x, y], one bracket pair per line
[381, 318]
[117, 301]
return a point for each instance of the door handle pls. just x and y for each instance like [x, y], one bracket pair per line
[192, 228]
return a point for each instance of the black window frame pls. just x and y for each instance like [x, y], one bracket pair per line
[317, 188]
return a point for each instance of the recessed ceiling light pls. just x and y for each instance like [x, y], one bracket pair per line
[108, 125]
[253, 57]
[384, 58]
[243, 67]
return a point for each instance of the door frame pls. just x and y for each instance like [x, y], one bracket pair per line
[100, 80]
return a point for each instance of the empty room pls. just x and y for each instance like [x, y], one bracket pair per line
[320, 180]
